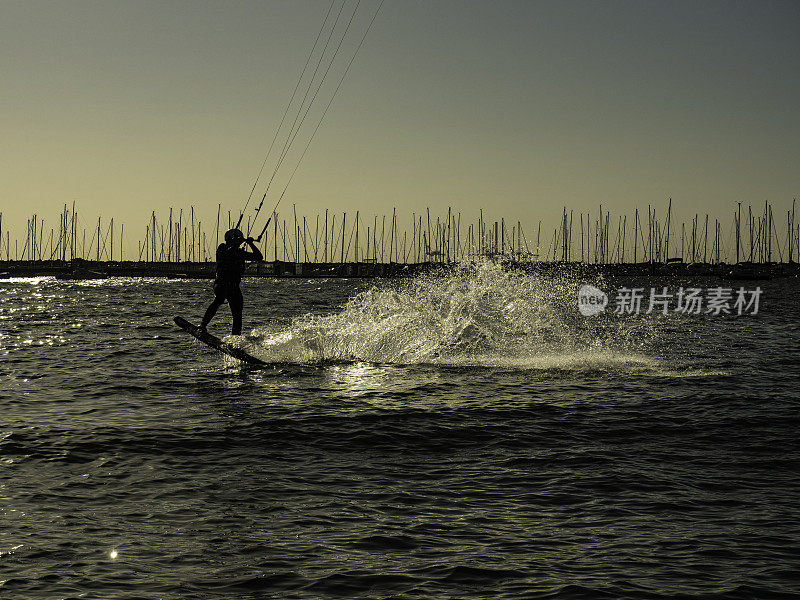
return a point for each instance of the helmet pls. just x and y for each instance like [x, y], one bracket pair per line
[233, 235]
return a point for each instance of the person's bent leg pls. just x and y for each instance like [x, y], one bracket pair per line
[211, 311]
[236, 301]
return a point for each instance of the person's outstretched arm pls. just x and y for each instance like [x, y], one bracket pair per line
[255, 254]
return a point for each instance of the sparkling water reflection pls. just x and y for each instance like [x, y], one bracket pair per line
[468, 436]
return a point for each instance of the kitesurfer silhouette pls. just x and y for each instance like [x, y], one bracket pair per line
[230, 268]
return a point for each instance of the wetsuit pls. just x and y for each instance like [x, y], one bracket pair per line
[230, 268]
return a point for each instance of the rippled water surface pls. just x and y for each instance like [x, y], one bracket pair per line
[461, 436]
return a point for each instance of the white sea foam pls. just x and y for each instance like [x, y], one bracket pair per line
[475, 315]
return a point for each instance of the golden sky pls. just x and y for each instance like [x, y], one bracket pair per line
[516, 107]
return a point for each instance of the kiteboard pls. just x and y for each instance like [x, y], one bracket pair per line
[216, 343]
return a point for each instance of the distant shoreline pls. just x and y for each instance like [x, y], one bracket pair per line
[83, 269]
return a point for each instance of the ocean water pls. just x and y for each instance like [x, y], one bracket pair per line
[467, 435]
